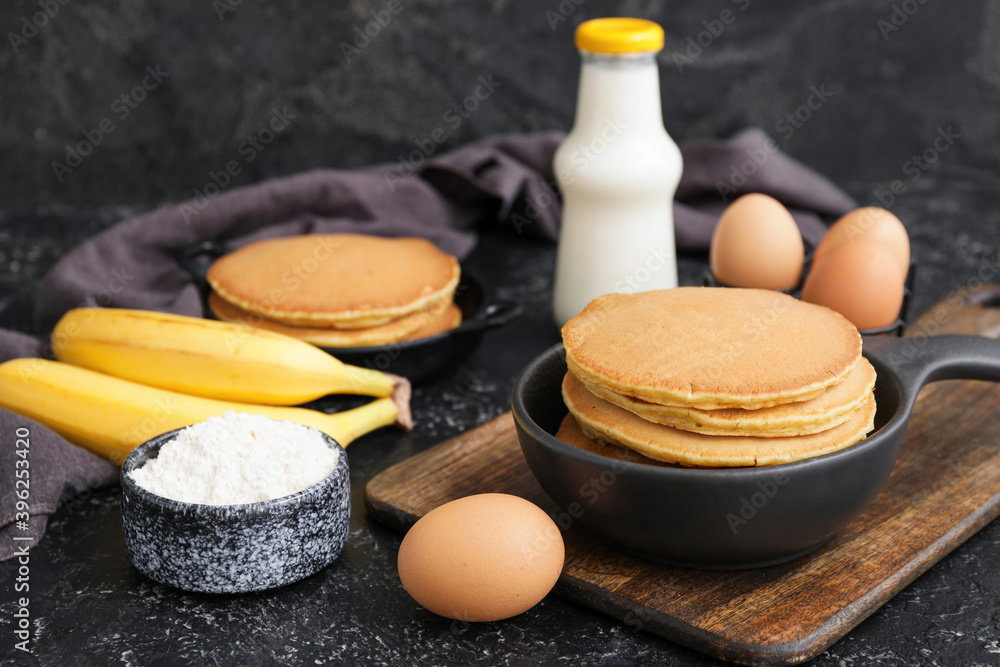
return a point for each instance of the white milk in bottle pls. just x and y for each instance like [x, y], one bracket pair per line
[618, 170]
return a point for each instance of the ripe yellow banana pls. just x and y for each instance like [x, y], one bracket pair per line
[232, 362]
[111, 417]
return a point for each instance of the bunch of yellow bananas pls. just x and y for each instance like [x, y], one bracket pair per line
[124, 376]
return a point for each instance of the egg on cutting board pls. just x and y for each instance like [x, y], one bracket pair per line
[481, 558]
[757, 243]
[862, 280]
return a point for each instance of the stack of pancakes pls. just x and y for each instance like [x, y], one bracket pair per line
[338, 290]
[714, 377]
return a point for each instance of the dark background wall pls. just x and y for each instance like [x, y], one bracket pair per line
[896, 71]
[162, 95]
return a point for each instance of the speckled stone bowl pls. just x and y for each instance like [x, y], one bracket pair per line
[234, 548]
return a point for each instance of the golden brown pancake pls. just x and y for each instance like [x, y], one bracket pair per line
[711, 347]
[346, 281]
[449, 320]
[833, 406]
[609, 423]
[570, 433]
[439, 317]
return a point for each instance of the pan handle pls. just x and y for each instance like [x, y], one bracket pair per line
[197, 268]
[919, 360]
[493, 315]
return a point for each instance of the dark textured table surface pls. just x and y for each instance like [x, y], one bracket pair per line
[885, 78]
[91, 607]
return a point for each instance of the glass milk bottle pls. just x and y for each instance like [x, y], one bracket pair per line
[618, 170]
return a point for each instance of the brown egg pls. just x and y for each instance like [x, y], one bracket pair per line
[481, 558]
[861, 280]
[872, 223]
[757, 244]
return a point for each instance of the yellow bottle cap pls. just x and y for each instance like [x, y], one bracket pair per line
[619, 35]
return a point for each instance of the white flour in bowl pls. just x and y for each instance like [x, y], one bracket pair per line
[237, 458]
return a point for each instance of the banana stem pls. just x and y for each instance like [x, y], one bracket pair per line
[401, 393]
[348, 426]
[364, 381]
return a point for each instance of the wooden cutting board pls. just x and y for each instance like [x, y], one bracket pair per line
[944, 488]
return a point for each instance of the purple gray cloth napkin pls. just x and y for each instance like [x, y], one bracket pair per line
[505, 181]
[39, 469]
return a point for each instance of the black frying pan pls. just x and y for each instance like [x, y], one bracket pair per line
[416, 360]
[691, 517]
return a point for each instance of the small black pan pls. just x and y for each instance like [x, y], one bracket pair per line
[736, 518]
[416, 360]
[419, 360]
